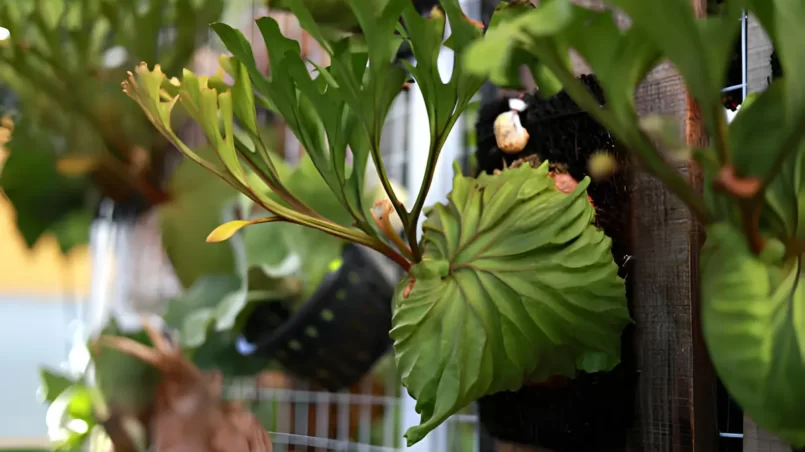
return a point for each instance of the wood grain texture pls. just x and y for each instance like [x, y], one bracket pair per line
[676, 409]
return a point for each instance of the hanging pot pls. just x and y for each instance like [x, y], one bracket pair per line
[338, 335]
[592, 411]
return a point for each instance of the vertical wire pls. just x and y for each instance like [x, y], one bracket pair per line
[744, 55]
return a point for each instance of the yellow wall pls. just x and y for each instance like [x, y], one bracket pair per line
[42, 270]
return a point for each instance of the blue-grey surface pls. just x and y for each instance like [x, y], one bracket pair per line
[33, 332]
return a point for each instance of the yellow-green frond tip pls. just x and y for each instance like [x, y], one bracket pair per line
[227, 230]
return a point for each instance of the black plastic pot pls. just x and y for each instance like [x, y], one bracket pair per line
[338, 335]
[592, 412]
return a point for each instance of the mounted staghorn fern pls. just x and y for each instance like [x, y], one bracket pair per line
[510, 281]
[753, 205]
[79, 138]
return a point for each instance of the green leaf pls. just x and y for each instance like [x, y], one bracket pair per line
[237, 43]
[698, 48]
[517, 23]
[71, 416]
[753, 318]
[193, 313]
[620, 59]
[197, 206]
[243, 97]
[782, 20]
[53, 384]
[44, 200]
[316, 250]
[516, 284]
[759, 132]
[127, 383]
[784, 211]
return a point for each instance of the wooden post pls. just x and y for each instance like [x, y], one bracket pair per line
[677, 381]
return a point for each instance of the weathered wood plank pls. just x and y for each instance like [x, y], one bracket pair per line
[676, 401]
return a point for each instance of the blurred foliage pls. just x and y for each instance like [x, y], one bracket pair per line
[63, 64]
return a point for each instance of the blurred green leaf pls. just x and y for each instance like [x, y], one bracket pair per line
[193, 313]
[753, 324]
[43, 199]
[71, 413]
[197, 206]
[759, 132]
[53, 384]
[127, 383]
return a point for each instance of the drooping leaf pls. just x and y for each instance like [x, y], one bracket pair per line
[753, 317]
[516, 284]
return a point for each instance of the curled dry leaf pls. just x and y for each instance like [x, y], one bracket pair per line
[188, 413]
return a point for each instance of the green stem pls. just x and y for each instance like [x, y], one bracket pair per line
[791, 145]
[720, 134]
[272, 179]
[430, 169]
[399, 207]
[318, 222]
[640, 145]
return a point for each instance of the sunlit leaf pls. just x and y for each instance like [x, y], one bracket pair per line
[525, 291]
[227, 230]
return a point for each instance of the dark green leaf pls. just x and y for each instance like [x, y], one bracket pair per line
[527, 290]
[782, 20]
[73, 230]
[758, 133]
[42, 198]
[682, 39]
[784, 210]
[53, 384]
[236, 43]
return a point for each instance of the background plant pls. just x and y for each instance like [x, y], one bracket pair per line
[80, 138]
[753, 203]
[511, 280]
